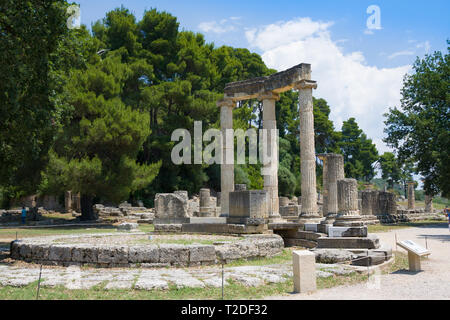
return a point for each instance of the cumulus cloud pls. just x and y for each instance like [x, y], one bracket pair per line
[223, 26]
[401, 53]
[351, 86]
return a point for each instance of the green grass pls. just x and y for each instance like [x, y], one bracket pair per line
[284, 257]
[184, 241]
[421, 204]
[9, 234]
[402, 225]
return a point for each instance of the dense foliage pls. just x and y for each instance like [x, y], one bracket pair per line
[420, 129]
[99, 118]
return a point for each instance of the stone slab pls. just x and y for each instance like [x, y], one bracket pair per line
[370, 242]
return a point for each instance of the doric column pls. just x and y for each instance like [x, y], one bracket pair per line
[411, 196]
[348, 213]
[323, 157]
[270, 170]
[428, 203]
[68, 201]
[334, 172]
[227, 167]
[307, 149]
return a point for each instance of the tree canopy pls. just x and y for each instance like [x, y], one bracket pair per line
[420, 129]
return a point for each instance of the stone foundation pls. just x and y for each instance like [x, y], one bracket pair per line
[45, 251]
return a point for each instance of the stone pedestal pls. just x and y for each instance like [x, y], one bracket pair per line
[348, 213]
[227, 166]
[307, 150]
[411, 196]
[304, 264]
[248, 207]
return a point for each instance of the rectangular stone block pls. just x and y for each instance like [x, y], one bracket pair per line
[113, 255]
[202, 253]
[173, 254]
[60, 253]
[349, 243]
[311, 227]
[40, 252]
[336, 232]
[143, 254]
[304, 264]
[248, 204]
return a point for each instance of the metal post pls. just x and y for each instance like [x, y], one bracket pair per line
[395, 241]
[39, 283]
[222, 280]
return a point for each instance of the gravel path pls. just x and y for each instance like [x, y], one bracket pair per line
[433, 283]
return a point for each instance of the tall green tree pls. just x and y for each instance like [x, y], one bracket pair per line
[95, 153]
[359, 152]
[390, 168]
[420, 129]
[30, 32]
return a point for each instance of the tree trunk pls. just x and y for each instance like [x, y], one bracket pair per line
[87, 210]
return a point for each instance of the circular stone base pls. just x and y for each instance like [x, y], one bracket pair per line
[134, 250]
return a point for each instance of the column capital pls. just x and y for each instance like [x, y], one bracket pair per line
[305, 84]
[269, 95]
[226, 103]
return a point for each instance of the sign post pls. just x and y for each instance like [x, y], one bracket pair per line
[414, 253]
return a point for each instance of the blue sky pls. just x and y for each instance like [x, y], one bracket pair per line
[359, 71]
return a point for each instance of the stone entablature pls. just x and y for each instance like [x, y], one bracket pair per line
[277, 83]
[44, 250]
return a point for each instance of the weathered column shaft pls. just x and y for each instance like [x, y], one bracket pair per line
[68, 201]
[428, 203]
[227, 167]
[324, 184]
[348, 213]
[411, 196]
[335, 172]
[307, 149]
[271, 169]
[348, 197]
[205, 198]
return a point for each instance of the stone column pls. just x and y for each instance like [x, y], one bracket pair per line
[68, 201]
[270, 170]
[411, 196]
[428, 204]
[307, 150]
[335, 172]
[205, 207]
[226, 168]
[323, 157]
[348, 213]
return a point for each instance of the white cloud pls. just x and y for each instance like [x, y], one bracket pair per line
[401, 53]
[351, 87]
[425, 45]
[223, 26]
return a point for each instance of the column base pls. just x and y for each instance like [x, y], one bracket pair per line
[348, 221]
[276, 219]
[329, 219]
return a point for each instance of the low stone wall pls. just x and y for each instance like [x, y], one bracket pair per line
[44, 250]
